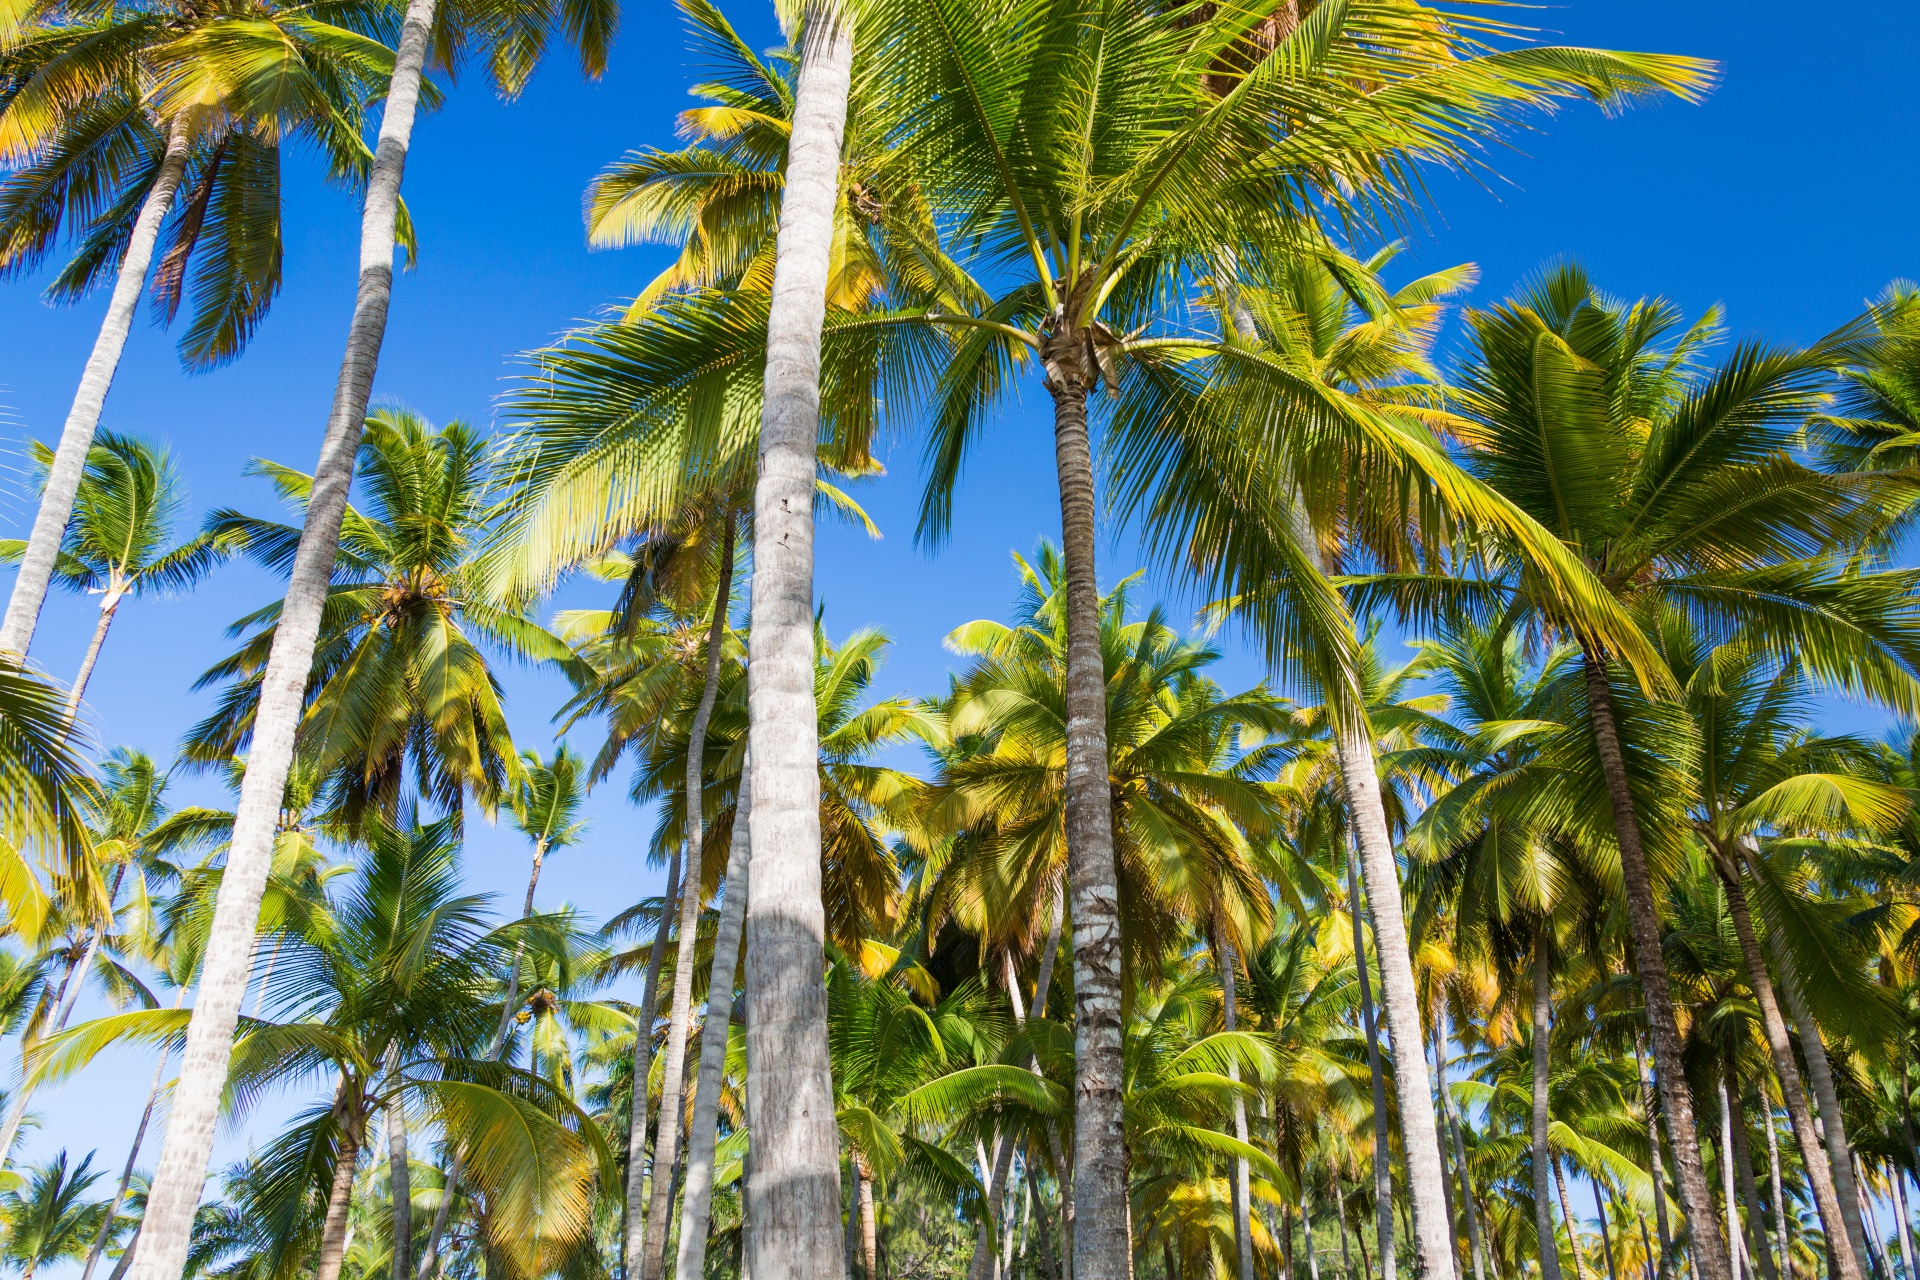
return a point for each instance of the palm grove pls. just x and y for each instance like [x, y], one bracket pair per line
[1559, 939]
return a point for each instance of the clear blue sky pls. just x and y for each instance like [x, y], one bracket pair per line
[1789, 196]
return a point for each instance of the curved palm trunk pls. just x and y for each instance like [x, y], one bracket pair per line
[1566, 1216]
[1242, 1175]
[1432, 1236]
[76, 437]
[634, 1236]
[666, 1144]
[1382, 1156]
[1709, 1252]
[1476, 1247]
[1543, 1167]
[793, 1199]
[1819, 1170]
[1102, 1248]
[126, 1173]
[696, 1205]
[108, 607]
[230, 945]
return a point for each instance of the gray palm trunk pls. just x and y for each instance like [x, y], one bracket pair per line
[1382, 1166]
[1819, 1169]
[1779, 1194]
[109, 605]
[1566, 1216]
[1242, 1174]
[1755, 1240]
[76, 437]
[399, 1175]
[1729, 1197]
[1102, 1246]
[1606, 1236]
[1709, 1253]
[1899, 1196]
[1832, 1123]
[1542, 1150]
[1476, 1246]
[696, 1203]
[126, 1173]
[633, 1243]
[1656, 1164]
[793, 1198]
[666, 1143]
[1426, 1183]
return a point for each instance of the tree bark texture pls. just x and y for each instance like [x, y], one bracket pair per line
[1102, 1248]
[333, 1230]
[1709, 1251]
[1542, 1146]
[696, 1204]
[76, 437]
[793, 1200]
[1382, 1154]
[399, 1175]
[1242, 1174]
[1656, 1163]
[1818, 1168]
[666, 1143]
[229, 954]
[1432, 1236]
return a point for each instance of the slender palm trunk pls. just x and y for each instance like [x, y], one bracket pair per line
[1242, 1173]
[1102, 1249]
[230, 945]
[1476, 1247]
[1755, 1241]
[1382, 1156]
[1729, 1193]
[76, 437]
[126, 1173]
[793, 1200]
[1306, 1234]
[1779, 1194]
[1566, 1216]
[634, 1236]
[1820, 1177]
[108, 607]
[666, 1143]
[1709, 1251]
[1647, 1245]
[1543, 1166]
[869, 1224]
[399, 1175]
[333, 1230]
[1906, 1224]
[1432, 1237]
[696, 1204]
[1875, 1245]
[1649, 1100]
[1606, 1236]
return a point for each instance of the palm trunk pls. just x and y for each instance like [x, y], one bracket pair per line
[1432, 1237]
[1820, 1177]
[696, 1205]
[1709, 1251]
[1476, 1247]
[1543, 1167]
[126, 1173]
[1906, 1224]
[1566, 1216]
[229, 952]
[666, 1143]
[1779, 1195]
[1606, 1236]
[1655, 1163]
[793, 1201]
[1756, 1238]
[634, 1236]
[1242, 1174]
[1382, 1157]
[869, 1228]
[76, 437]
[399, 1176]
[1102, 1249]
[333, 1231]
[1875, 1245]
[1306, 1235]
[108, 607]
[1647, 1245]
[1729, 1197]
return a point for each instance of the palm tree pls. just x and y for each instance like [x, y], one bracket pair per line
[106, 119]
[116, 543]
[48, 1220]
[42, 793]
[1703, 511]
[398, 683]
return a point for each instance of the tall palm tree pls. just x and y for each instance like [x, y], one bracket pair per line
[117, 543]
[49, 1219]
[1676, 485]
[106, 119]
[398, 684]
[513, 36]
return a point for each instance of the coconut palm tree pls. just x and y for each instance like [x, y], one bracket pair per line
[1705, 512]
[398, 684]
[49, 1219]
[117, 542]
[112, 123]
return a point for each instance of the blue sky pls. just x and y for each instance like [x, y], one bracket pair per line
[1789, 196]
